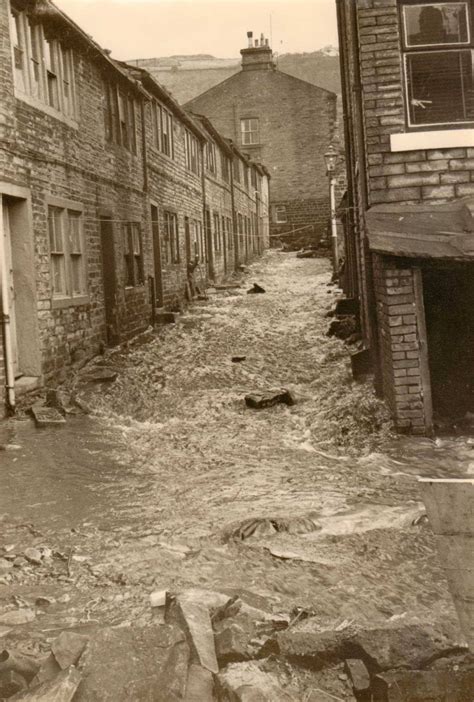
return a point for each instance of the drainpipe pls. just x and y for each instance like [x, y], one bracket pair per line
[5, 318]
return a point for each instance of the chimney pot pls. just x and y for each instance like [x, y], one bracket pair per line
[249, 37]
[256, 42]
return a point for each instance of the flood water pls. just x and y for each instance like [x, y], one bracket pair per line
[171, 434]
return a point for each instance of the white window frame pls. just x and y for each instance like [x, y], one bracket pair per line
[409, 50]
[38, 67]
[67, 209]
[279, 219]
[249, 136]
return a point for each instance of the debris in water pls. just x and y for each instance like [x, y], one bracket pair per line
[268, 398]
[256, 289]
[238, 359]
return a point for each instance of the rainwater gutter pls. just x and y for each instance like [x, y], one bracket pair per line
[6, 322]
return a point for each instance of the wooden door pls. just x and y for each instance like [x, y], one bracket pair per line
[10, 287]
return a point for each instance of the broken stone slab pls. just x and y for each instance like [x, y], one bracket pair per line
[268, 398]
[68, 648]
[173, 678]
[212, 599]
[410, 646]
[256, 289]
[158, 598]
[424, 685]
[100, 375]
[33, 555]
[360, 678]
[125, 663]
[47, 416]
[26, 666]
[246, 682]
[232, 645]
[17, 617]
[194, 619]
[62, 688]
[11, 683]
[200, 685]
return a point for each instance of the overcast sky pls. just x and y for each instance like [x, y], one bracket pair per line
[147, 28]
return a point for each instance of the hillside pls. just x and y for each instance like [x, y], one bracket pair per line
[189, 76]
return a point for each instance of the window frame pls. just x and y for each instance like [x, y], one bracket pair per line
[407, 51]
[278, 219]
[47, 67]
[65, 212]
[249, 132]
[134, 269]
[171, 238]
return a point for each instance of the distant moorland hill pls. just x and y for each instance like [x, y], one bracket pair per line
[188, 76]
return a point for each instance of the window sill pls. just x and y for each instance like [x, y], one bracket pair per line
[61, 302]
[40, 105]
[439, 139]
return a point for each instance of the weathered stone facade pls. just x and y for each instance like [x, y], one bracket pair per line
[290, 125]
[102, 191]
[407, 174]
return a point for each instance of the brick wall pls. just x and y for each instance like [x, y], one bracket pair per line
[47, 159]
[399, 341]
[413, 176]
[297, 123]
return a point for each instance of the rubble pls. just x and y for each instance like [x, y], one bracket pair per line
[17, 616]
[61, 688]
[194, 619]
[246, 682]
[238, 359]
[100, 375]
[11, 683]
[200, 685]
[268, 398]
[256, 289]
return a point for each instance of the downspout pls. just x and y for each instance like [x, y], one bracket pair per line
[6, 322]
[234, 217]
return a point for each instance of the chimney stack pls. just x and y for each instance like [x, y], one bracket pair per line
[258, 55]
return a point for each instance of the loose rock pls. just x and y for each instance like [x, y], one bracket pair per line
[17, 617]
[200, 685]
[61, 689]
[256, 289]
[268, 398]
[194, 619]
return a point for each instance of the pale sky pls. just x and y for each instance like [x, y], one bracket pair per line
[148, 28]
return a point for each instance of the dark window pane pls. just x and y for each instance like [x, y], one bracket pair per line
[440, 87]
[437, 23]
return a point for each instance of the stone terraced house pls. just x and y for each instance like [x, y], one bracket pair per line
[288, 124]
[105, 186]
[408, 91]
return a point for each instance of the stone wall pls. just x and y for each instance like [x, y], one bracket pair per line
[297, 122]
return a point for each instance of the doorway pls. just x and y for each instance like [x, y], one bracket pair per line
[448, 293]
[17, 232]
[155, 232]
[110, 281]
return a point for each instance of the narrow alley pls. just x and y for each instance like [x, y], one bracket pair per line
[172, 482]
